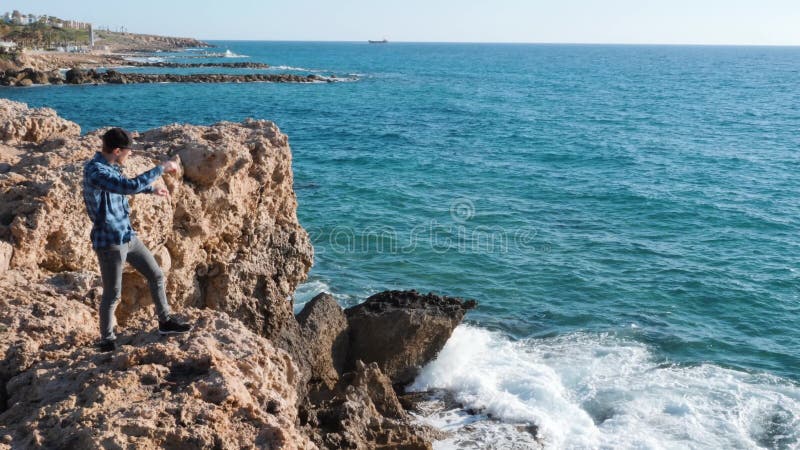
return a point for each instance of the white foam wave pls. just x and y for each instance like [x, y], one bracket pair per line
[598, 391]
[230, 54]
[294, 68]
[145, 59]
[225, 54]
[321, 79]
[308, 290]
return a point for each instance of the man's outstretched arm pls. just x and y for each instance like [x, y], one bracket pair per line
[112, 181]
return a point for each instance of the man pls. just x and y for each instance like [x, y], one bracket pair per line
[105, 191]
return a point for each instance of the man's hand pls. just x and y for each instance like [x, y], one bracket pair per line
[161, 191]
[171, 165]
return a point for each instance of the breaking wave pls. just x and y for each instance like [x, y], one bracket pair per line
[589, 391]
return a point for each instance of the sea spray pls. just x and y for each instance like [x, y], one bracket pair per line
[597, 390]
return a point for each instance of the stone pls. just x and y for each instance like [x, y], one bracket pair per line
[221, 386]
[402, 330]
[77, 76]
[324, 329]
[29, 76]
[290, 339]
[250, 375]
[363, 412]
[230, 234]
[6, 250]
[19, 124]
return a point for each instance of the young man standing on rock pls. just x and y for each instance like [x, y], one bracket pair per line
[105, 191]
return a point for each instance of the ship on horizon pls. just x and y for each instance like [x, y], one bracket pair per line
[382, 41]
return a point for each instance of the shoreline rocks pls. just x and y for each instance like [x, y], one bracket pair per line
[227, 238]
[362, 357]
[20, 124]
[220, 387]
[402, 330]
[251, 374]
[29, 77]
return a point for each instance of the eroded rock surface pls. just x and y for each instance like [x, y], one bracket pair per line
[363, 412]
[402, 330]
[28, 76]
[250, 375]
[18, 123]
[222, 386]
[324, 329]
[350, 404]
[228, 235]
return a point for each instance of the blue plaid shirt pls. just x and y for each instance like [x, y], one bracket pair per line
[105, 191]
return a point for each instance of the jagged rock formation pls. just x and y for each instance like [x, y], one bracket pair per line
[28, 76]
[402, 330]
[19, 124]
[228, 237]
[350, 404]
[363, 412]
[324, 329]
[220, 387]
[250, 374]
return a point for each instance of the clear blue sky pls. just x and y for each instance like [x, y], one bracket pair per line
[760, 22]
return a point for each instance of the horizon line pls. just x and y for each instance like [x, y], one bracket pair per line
[665, 44]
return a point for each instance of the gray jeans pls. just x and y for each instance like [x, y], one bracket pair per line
[112, 259]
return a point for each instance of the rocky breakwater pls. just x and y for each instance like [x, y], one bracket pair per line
[28, 77]
[250, 375]
[76, 76]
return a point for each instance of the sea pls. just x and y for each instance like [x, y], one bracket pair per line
[627, 217]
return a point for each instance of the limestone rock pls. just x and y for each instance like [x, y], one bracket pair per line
[402, 330]
[229, 230]
[324, 328]
[222, 386]
[363, 412]
[37, 322]
[229, 240]
[18, 123]
[5, 256]
[290, 339]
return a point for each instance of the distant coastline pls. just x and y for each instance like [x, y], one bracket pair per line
[46, 43]
[109, 50]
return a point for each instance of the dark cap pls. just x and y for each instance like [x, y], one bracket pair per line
[116, 138]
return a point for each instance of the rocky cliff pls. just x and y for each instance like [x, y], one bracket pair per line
[228, 236]
[250, 375]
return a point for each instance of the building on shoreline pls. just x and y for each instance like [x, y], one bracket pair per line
[17, 18]
[46, 32]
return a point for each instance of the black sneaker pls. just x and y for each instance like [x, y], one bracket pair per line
[173, 326]
[106, 345]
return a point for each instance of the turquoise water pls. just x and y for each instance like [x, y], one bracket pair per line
[625, 215]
